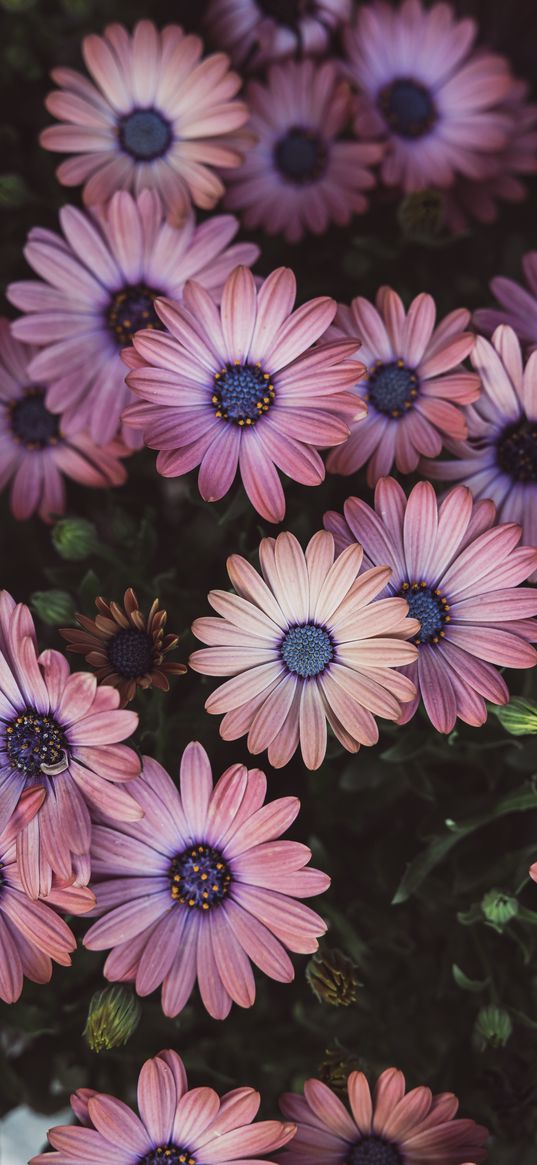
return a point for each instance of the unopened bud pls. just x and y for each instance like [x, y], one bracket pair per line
[333, 978]
[421, 215]
[336, 1068]
[113, 1016]
[53, 607]
[74, 538]
[499, 908]
[518, 717]
[492, 1028]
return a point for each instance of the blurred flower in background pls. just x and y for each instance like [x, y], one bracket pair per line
[518, 304]
[255, 32]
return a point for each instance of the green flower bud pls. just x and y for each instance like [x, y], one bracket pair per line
[333, 978]
[421, 215]
[492, 1028]
[74, 538]
[518, 717]
[53, 607]
[499, 908]
[336, 1068]
[13, 188]
[113, 1016]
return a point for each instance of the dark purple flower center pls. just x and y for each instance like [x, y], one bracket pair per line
[300, 156]
[430, 606]
[392, 388]
[242, 393]
[145, 134]
[131, 653]
[35, 744]
[307, 650]
[374, 1151]
[287, 12]
[408, 107]
[32, 425]
[130, 309]
[517, 451]
[200, 878]
[168, 1155]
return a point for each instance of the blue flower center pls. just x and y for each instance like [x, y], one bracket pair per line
[199, 877]
[392, 388]
[408, 108]
[130, 309]
[168, 1155]
[242, 393]
[428, 605]
[307, 650]
[374, 1151]
[517, 451]
[145, 134]
[35, 742]
[300, 156]
[287, 12]
[131, 653]
[32, 425]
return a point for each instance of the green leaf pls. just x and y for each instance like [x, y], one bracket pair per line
[89, 588]
[409, 745]
[467, 984]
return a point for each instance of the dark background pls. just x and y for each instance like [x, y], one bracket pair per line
[368, 818]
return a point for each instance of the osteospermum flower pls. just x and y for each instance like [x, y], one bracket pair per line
[412, 386]
[126, 648]
[301, 174]
[98, 286]
[518, 304]
[243, 388]
[202, 885]
[175, 1125]
[459, 573]
[305, 644]
[255, 32]
[390, 1127]
[155, 115]
[35, 453]
[59, 732]
[422, 89]
[499, 459]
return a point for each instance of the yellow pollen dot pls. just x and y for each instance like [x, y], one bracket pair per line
[205, 906]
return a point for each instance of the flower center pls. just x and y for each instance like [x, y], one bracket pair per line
[31, 422]
[287, 12]
[168, 1155]
[145, 134]
[131, 309]
[517, 451]
[408, 107]
[242, 393]
[307, 650]
[35, 744]
[131, 653]
[431, 608]
[300, 156]
[392, 388]
[374, 1151]
[200, 877]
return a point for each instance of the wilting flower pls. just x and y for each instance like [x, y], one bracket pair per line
[58, 732]
[305, 644]
[98, 286]
[126, 648]
[423, 89]
[243, 388]
[202, 885]
[413, 382]
[499, 459]
[518, 305]
[31, 933]
[390, 1127]
[301, 174]
[254, 32]
[155, 115]
[459, 573]
[175, 1125]
[35, 452]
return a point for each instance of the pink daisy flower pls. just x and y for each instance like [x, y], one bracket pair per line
[154, 116]
[459, 573]
[254, 32]
[98, 285]
[201, 886]
[499, 458]
[31, 934]
[175, 1125]
[59, 732]
[301, 174]
[35, 454]
[413, 384]
[390, 1127]
[305, 644]
[422, 89]
[518, 304]
[243, 388]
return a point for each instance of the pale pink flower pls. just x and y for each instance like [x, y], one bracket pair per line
[255, 32]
